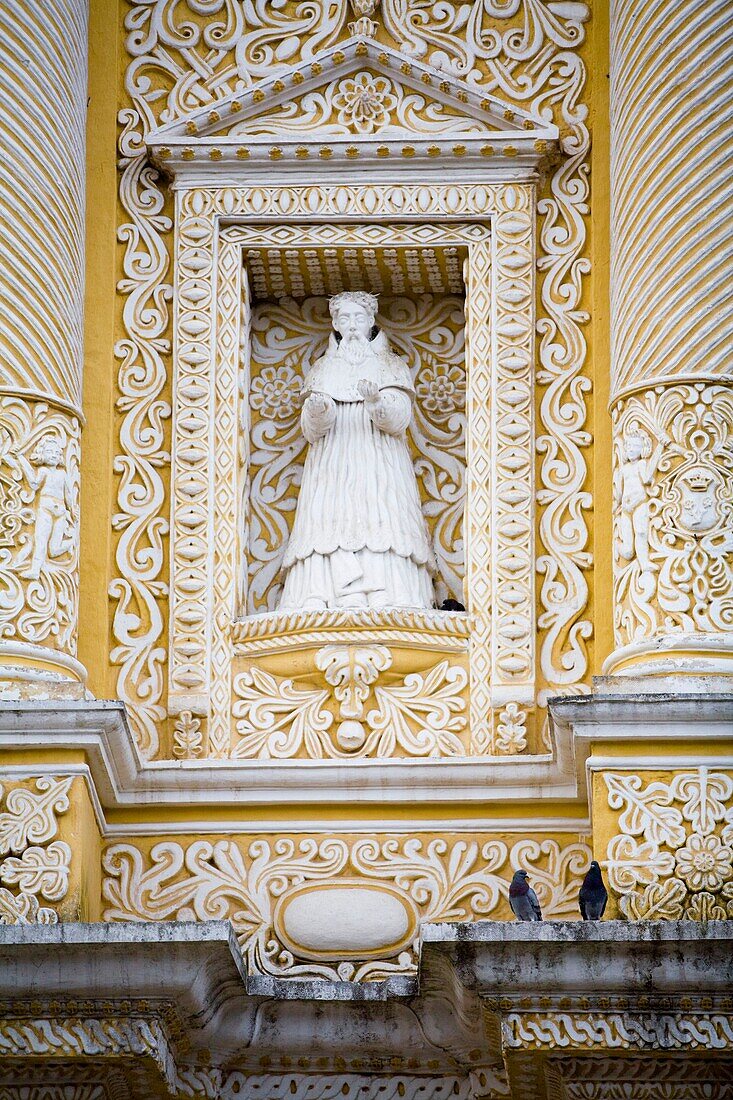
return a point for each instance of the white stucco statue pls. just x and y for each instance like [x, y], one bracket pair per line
[359, 538]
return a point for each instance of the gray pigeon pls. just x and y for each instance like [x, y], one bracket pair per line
[593, 894]
[523, 899]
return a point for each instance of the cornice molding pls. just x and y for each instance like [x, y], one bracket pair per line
[507, 143]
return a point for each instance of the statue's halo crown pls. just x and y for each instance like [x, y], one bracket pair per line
[368, 301]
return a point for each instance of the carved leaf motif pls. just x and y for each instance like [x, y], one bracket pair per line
[351, 670]
[511, 730]
[690, 512]
[448, 881]
[659, 901]
[188, 737]
[705, 796]
[23, 908]
[631, 863]
[705, 906]
[40, 870]
[30, 817]
[140, 894]
[275, 718]
[556, 873]
[182, 57]
[445, 879]
[646, 810]
[432, 703]
[698, 865]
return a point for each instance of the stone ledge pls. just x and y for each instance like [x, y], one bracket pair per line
[490, 996]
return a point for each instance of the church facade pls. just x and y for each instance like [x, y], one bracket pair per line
[366, 536]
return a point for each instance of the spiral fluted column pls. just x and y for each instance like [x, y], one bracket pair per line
[672, 335]
[43, 89]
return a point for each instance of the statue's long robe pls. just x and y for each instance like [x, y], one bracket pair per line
[359, 538]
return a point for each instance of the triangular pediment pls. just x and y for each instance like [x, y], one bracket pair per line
[359, 92]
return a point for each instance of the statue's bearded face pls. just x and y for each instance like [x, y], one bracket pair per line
[354, 323]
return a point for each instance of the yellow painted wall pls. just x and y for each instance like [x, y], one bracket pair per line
[100, 368]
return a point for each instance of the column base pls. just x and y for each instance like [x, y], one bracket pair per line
[676, 655]
[35, 672]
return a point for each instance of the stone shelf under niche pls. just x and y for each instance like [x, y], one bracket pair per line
[354, 683]
[284, 631]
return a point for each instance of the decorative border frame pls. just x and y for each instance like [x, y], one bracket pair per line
[553, 61]
[212, 226]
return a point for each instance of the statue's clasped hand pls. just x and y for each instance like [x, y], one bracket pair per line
[319, 405]
[369, 391]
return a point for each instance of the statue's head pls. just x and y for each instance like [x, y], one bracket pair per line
[353, 314]
[50, 451]
[636, 444]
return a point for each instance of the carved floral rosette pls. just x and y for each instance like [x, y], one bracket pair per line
[39, 524]
[676, 499]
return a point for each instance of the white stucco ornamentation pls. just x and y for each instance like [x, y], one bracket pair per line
[41, 329]
[500, 431]
[655, 155]
[34, 865]
[673, 489]
[141, 519]
[41, 333]
[39, 524]
[673, 854]
[614, 1030]
[188, 736]
[423, 714]
[286, 339]
[511, 729]
[489, 51]
[671, 335]
[247, 881]
[351, 671]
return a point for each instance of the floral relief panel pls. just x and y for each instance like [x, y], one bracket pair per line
[34, 864]
[286, 338]
[672, 854]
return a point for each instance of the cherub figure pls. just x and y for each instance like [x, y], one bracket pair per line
[638, 466]
[54, 507]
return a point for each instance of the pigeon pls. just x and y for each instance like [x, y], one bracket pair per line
[451, 605]
[593, 894]
[523, 899]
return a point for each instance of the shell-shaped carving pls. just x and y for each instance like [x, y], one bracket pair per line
[346, 919]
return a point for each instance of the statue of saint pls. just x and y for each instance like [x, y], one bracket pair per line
[359, 539]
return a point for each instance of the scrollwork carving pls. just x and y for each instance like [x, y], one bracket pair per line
[139, 587]
[613, 1030]
[526, 52]
[447, 878]
[424, 715]
[363, 104]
